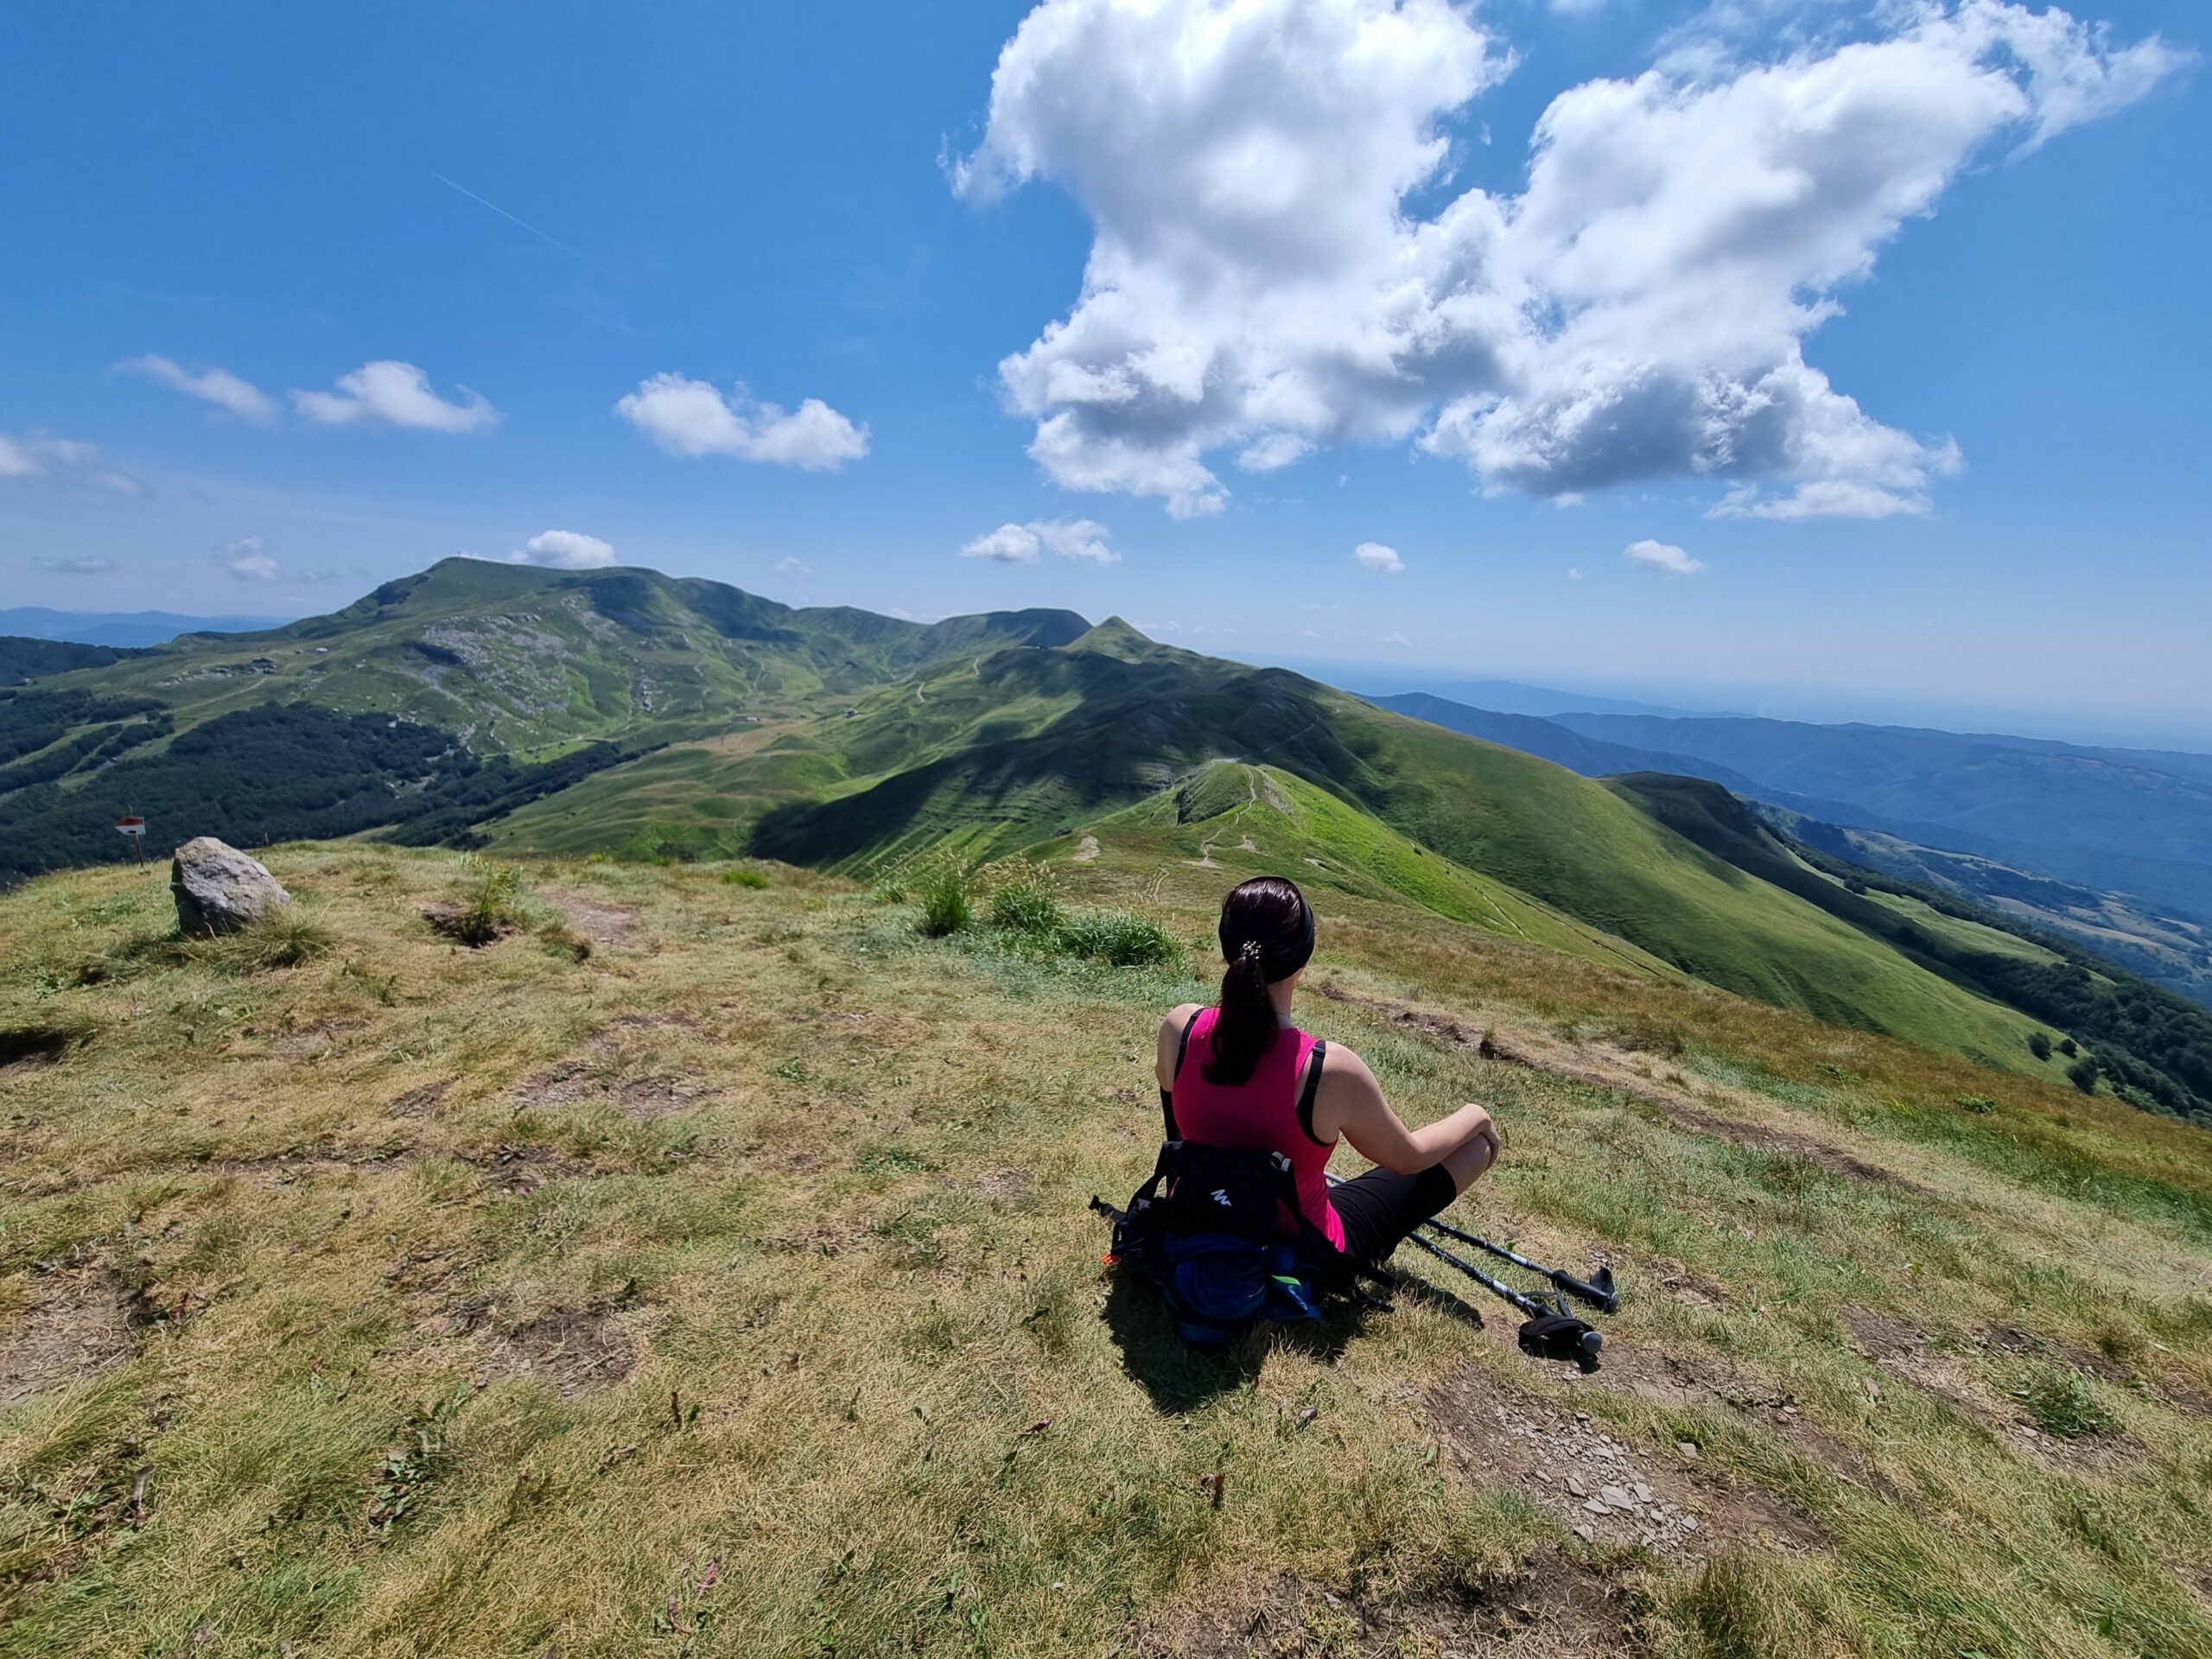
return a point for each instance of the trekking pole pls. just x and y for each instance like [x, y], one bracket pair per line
[1599, 1292]
[1589, 1342]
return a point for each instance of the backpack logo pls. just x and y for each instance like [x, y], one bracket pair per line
[1220, 1196]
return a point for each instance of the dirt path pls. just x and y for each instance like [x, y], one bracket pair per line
[1604, 1067]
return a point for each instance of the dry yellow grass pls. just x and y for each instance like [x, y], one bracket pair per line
[731, 1291]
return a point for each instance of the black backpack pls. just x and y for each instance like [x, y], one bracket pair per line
[1206, 1228]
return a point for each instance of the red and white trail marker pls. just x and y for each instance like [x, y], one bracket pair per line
[133, 825]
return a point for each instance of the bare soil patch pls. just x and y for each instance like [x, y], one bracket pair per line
[1550, 1608]
[417, 1103]
[826, 1238]
[520, 1169]
[608, 1074]
[579, 1350]
[1606, 1491]
[1440, 1026]
[601, 921]
[2011, 1339]
[76, 1325]
[574, 1082]
[1694, 1288]
[1009, 1185]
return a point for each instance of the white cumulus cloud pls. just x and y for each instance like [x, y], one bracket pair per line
[396, 394]
[1257, 283]
[80, 564]
[1007, 544]
[249, 561]
[1070, 539]
[691, 417]
[1375, 556]
[564, 549]
[217, 386]
[793, 566]
[1662, 556]
[42, 454]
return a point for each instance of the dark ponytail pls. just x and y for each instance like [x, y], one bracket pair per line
[1267, 934]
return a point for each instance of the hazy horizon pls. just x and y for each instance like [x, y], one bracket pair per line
[1817, 704]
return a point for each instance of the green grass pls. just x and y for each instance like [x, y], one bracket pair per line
[732, 1292]
[1026, 749]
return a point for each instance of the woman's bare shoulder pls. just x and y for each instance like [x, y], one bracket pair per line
[1340, 1060]
[1178, 1017]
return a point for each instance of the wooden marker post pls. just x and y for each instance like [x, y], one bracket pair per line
[133, 825]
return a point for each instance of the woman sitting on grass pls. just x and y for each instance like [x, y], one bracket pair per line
[1242, 1075]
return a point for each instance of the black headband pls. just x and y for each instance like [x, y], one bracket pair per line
[1278, 958]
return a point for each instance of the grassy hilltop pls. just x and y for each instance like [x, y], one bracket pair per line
[703, 1270]
[625, 712]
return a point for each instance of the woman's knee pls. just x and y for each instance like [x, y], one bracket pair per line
[1472, 1161]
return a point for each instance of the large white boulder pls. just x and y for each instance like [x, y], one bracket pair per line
[218, 889]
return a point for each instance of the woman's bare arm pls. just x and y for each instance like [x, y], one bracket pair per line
[1350, 1102]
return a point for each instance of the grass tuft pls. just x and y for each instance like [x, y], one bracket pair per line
[946, 907]
[745, 876]
[1021, 898]
[2062, 1401]
[280, 938]
[491, 905]
[1120, 937]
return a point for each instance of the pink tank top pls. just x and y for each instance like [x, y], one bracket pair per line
[1263, 1112]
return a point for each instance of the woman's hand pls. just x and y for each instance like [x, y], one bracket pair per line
[1481, 1126]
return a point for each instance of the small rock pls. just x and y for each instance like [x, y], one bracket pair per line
[1689, 1524]
[1585, 1532]
[1595, 1506]
[1617, 1497]
[1575, 1485]
[1688, 1448]
[218, 889]
[1642, 1492]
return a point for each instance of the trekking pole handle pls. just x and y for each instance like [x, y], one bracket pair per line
[1601, 1295]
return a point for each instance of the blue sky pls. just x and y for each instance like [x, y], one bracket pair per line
[1891, 316]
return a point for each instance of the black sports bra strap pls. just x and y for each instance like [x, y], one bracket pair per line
[1305, 1095]
[1166, 1097]
[1183, 1047]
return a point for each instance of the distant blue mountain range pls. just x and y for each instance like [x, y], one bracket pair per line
[2127, 821]
[123, 628]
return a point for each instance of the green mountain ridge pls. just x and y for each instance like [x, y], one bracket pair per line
[505, 681]
[626, 712]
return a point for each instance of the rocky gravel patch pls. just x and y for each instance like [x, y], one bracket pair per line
[1606, 1491]
[1549, 1607]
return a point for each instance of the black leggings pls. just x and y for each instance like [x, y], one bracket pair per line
[1379, 1208]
